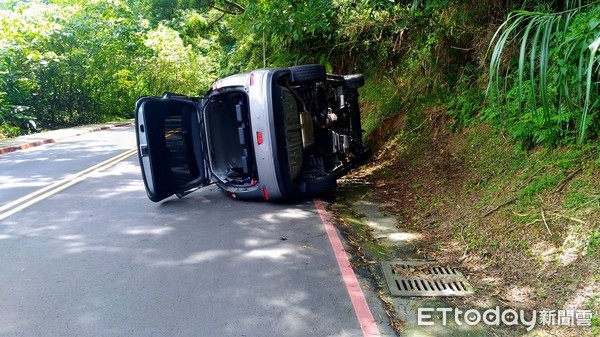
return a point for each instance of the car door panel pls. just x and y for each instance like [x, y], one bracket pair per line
[170, 146]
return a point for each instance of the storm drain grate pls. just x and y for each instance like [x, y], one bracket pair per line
[424, 278]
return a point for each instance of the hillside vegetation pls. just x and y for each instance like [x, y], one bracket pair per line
[66, 62]
[483, 115]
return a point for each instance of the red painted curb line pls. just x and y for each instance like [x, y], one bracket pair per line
[25, 146]
[357, 297]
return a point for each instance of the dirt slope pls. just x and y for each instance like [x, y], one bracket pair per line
[523, 224]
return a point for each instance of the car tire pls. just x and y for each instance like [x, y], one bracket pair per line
[354, 81]
[320, 185]
[362, 155]
[306, 74]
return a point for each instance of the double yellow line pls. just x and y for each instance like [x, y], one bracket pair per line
[43, 193]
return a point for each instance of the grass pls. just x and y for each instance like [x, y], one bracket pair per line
[593, 242]
[542, 248]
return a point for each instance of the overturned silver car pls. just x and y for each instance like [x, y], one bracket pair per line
[268, 134]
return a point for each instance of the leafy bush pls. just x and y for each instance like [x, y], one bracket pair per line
[551, 93]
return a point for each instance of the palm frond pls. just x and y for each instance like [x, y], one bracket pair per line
[547, 60]
[588, 89]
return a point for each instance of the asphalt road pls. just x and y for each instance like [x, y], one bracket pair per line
[100, 259]
[26, 171]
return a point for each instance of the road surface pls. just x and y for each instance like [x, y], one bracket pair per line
[98, 258]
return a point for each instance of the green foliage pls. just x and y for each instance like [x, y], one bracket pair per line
[158, 11]
[539, 185]
[69, 64]
[550, 92]
[593, 242]
[177, 67]
[595, 326]
[466, 103]
[75, 62]
[386, 100]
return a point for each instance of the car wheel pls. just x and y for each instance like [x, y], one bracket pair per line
[320, 185]
[362, 155]
[354, 81]
[310, 73]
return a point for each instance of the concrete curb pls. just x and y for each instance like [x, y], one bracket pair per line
[48, 137]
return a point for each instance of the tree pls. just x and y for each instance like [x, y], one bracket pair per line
[71, 64]
[176, 67]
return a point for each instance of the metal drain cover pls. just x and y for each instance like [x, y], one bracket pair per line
[424, 278]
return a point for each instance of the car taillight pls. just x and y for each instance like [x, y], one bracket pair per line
[251, 79]
[259, 137]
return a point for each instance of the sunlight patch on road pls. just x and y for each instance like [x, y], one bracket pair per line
[197, 258]
[209, 255]
[80, 247]
[71, 237]
[286, 214]
[255, 242]
[274, 253]
[8, 182]
[32, 232]
[149, 230]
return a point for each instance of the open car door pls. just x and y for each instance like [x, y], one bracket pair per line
[171, 145]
